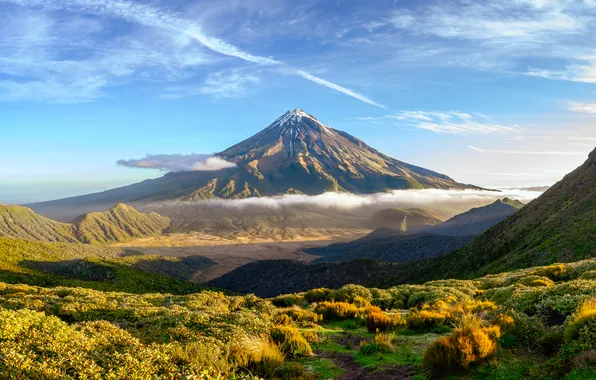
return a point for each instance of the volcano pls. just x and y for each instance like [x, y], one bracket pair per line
[296, 154]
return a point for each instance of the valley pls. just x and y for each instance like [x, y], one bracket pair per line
[231, 253]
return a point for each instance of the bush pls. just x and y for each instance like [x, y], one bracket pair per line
[336, 310]
[554, 272]
[469, 343]
[311, 337]
[583, 319]
[258, 353]
[381, 321]
[284, 319]
[527, 330]
[536, 281]
[291, 341]
[318, 295]
[286, 300]
[425, 319]
[381, 298]
[297, 314]
[504, 321]
[290, 371]
[348, 293]
[589, 275]
[552, 340]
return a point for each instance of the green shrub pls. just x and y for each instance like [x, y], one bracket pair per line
[297, 314]
[589, 275]
[319, 295]
[469, 343]
[291, 341]
[583, 322]
[286, 300]
[381, 298]
[527, 330]
[380, 321]
[536, 281]
[336, 310]
[554, 272]
[425, 319]
[348, 293]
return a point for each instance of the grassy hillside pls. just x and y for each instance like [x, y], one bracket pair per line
[23, 223]
[103, 268]
[533, 323]
[403, 219]
[120, 223]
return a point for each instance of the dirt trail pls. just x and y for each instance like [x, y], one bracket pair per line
[353, 371]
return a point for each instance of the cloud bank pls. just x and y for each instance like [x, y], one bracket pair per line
[453, 199]
[178, 162]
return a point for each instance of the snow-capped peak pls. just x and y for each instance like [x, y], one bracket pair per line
[295, 116]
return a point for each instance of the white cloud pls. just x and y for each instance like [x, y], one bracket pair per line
[582, 138]
[178, 162]
[452, 122]
[395, 198]
[529, 152]
[501, 21]
[335, 87]
[575, 73]
[505, 36]
[582, 107]
[223, 84]
[158, 18]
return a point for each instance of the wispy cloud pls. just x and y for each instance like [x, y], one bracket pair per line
[223, 84]
[553, 38]
[528, 152]
[582, 107]
[582, 138]
[178, 162]
[475, 148]
[159, 18]
[335, 87]
[452, 122]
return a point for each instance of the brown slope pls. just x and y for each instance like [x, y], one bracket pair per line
[120, 223]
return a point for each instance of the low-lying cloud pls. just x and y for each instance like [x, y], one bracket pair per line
[178, 162]
[447, 202]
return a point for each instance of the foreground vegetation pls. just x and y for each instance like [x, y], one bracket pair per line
[532, 323]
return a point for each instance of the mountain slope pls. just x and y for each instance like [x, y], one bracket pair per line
[295, 154]
[23, 223]
[477, 220]
[403, 219]
[558, 226]
[393, 248]
[120, 223]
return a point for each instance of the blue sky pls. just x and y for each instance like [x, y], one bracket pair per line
[499, 93]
